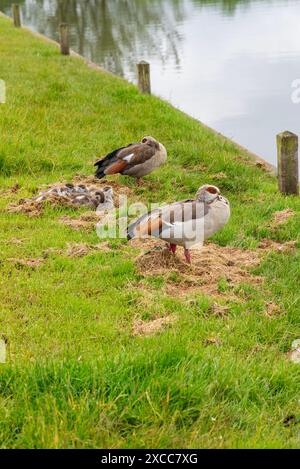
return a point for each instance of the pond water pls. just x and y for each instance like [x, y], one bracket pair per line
[230, 63]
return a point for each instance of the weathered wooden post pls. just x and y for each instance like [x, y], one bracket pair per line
[287, 158]
[64, 38]
[143, 70]
[16, 15]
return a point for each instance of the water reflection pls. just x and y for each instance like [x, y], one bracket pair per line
[115, 34]
[229, 63]
[227, 7]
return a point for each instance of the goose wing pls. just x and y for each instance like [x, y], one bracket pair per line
[169, 217]
[123, 158]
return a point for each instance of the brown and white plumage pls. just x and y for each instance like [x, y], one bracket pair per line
[185, 223]
[137, 159]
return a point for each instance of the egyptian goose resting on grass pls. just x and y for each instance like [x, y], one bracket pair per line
[137, 159]
[185, 223]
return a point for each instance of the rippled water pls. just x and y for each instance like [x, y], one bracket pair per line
[230, 64]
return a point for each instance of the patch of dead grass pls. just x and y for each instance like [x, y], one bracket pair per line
[219, 176]
[257, 162]
[212, 341]
[33, 263]
[210, 264]
[146, 328]
[220, 311]
[86, 222]
[273, 309]
[271, 245]
[11, 190]
[281, 217]
[31, 208]
[79, 249]
[15, 241]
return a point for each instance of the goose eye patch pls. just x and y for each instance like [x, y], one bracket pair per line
[212, 190]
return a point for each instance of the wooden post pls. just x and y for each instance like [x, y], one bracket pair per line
[64, 39]
[16, 15]
[143, 70]
[287, 157]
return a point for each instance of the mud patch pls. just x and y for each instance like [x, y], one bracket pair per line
[146, 328]
[211, 265]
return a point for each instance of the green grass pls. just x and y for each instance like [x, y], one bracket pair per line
[75, 375]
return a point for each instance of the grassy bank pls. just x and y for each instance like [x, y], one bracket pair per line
[75, 374]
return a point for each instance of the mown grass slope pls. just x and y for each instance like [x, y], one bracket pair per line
[75, 375]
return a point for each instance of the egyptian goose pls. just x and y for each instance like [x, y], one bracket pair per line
[185, 223]
[137, 159]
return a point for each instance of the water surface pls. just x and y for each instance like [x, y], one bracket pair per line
[229, 63]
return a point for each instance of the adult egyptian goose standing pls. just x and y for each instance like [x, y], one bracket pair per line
[185, 223]
[137, 159]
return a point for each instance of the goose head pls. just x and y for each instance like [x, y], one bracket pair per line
[150, 141]
[208, 194]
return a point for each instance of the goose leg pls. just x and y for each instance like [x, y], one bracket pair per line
[187, 255]
[138, 181]
[172, 248]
